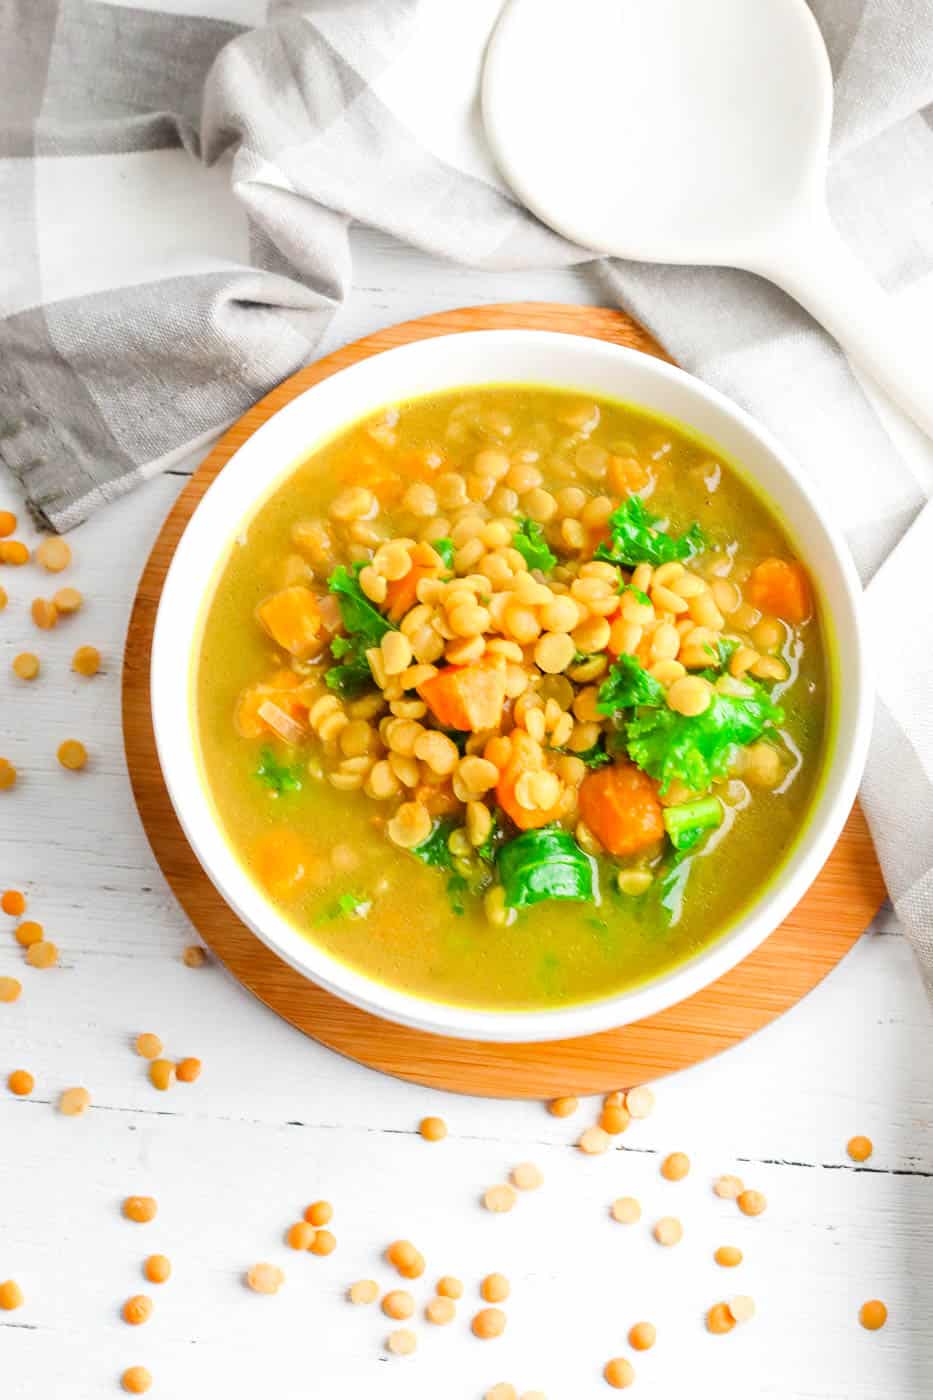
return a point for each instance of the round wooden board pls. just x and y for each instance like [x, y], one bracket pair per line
[822, 928]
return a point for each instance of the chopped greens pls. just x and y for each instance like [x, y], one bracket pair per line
[346, 906]
[628, 684]
[278, 777]
[720, 657]
[433, 850]
[687, 822]
[530, 542]
[596, 757]
[545, 864]
[445, 548]
[637, 594]
[698, 748]
[457, 887]
[487, 851]
[365, 627]
[634, 540]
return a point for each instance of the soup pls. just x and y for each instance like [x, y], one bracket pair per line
[512, 698]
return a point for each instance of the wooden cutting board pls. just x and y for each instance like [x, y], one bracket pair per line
[823, 927]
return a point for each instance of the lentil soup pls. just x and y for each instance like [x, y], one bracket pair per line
[512, 698]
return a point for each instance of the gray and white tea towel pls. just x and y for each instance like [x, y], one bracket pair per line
[177, 179]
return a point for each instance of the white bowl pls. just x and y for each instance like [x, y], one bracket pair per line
[496, 357]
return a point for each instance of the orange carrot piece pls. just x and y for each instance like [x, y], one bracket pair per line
[526, 756]
[292, 618]
[620, 806]
[402, 593]
[467, 697]
[281, 859]
[781, 588]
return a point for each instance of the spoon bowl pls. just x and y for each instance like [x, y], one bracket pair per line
[680, 131]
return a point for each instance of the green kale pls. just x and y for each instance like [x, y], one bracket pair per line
[637, 594]
[487, 851]
[720, 656]
[278, 777]
[365, 627]
[530, 542]
[545, 863]
[457, 887]
[698, 748]
[445, 548]
[346, 906]
[686, 822]
[628, 684]
[634, 540]
[433, 850]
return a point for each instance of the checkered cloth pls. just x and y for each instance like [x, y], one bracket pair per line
[177, 180]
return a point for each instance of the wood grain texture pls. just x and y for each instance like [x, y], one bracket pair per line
[789, 964]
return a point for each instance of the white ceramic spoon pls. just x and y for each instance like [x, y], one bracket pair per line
[692, 131]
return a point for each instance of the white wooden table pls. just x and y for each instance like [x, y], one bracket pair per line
[277, 1121]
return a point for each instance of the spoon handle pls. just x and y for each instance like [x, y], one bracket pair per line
[820, 271]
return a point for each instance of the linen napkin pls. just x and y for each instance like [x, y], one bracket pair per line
[177, 181]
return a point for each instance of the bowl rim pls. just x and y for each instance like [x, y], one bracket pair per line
[177, 746]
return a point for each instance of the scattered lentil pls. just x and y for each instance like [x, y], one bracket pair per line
[188, 1070]
[719, 1320]
[675, 1167]
[7, 774]
[499, 1198]
[402, 1342]
[619, 1373]
[194, 956]
[11, 1295]
[728, 1188]
[265, 1278]
[562, 1108]
[432, 1129]
[44, 613]
[21, 1083]
[140, 1209]
[86, 661]
[873, 1315]
[614, 1119]
[67, 600]
[751, 1202]
[13, 902]
[526, 1176]
[503, 1390]
[14, 552]
[398, 1304]
[626, 1210]
[668, 1230]
[741, 1308]
[157, 1268]
[593, 1141]
[149, 1046]
[639, 1101]
[72, 754]
[728, 1256]
[642, 1336]
[161, 1074]
[488, 1323]
[136, 1380]
[53, 554]
[406, 1259]
[365, 1290]
[137, 1310]
[440, 1311]
[29, 932]
[10, 989]
[495, 1288]
[319, 1213]
[324, 1243]
[449, 1287]
[859, 1148]
[7, 523]
[42, 954]
[300, 1235]
[26, 666]
[74, 1102]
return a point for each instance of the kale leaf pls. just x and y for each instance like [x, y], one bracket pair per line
[545, 863]
[532, 546]
[687, 822]
[433, 849]
[278, 777]
[698, 748]
[628, 684]
[365, 627]
[634, 540]
[445, 548]
[346, 906]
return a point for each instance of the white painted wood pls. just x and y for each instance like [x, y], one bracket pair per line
[276, 1121]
